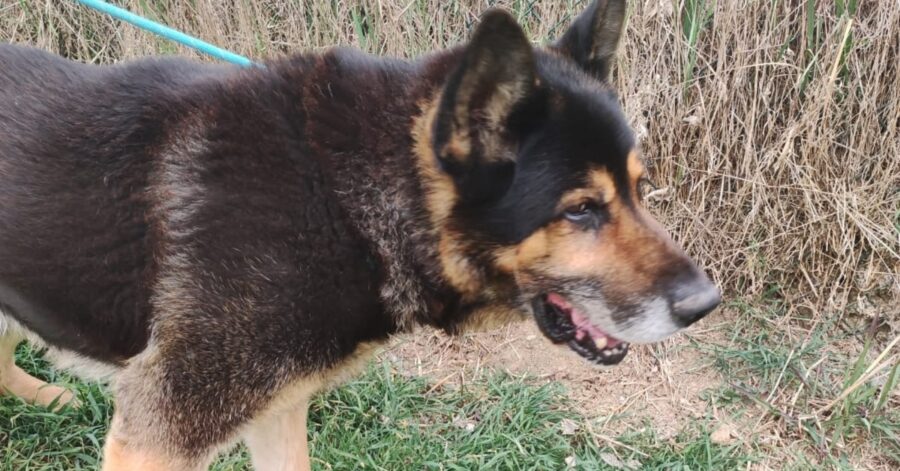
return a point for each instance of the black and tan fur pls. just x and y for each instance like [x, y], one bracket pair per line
[226, 242]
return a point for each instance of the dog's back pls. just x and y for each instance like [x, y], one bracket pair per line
[130, 185]
[76, 145]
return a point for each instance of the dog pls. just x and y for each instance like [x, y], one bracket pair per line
[223, 243]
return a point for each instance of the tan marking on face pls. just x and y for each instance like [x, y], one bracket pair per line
[562, 249]
[532, 249]
[602, 190]
[625, 255]
[615, 252]
[505, 259]
[575, 197]
[603, 182]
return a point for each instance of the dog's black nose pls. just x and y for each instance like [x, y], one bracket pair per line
[695, 299]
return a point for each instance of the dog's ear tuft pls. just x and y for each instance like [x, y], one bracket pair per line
[592, 39]
[496, 74]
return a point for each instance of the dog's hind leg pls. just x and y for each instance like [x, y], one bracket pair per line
[15, 381]
[278, 440]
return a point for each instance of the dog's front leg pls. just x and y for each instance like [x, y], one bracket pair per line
[161, 421]
[119, 456]
[278, 440]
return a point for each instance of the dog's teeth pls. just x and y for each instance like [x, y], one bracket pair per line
[600, 343]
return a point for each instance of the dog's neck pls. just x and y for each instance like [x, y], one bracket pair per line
[364, 119]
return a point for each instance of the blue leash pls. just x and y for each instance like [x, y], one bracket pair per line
[168, 33]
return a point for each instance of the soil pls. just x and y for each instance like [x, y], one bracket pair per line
[659, 385]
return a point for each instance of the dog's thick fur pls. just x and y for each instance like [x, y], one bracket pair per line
[226, 242]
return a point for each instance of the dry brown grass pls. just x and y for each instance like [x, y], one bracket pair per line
[773, 186]
[776, 157]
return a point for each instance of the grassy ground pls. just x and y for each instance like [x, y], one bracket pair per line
[772, 130]
[400, 422]
[760, 412]
[804, 394]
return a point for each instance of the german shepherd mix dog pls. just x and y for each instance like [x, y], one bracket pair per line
[226, 242]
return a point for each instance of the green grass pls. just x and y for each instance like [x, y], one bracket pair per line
[386, 421]
[35, 438]
[696, 15]
[771, 376]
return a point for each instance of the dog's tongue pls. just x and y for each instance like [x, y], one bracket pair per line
[583, 326]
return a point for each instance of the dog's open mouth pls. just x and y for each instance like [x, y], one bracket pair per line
[563, 323]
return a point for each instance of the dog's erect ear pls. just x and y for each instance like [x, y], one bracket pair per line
[496, 74]
[592, 40]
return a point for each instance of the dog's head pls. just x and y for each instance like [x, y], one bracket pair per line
[536, 182]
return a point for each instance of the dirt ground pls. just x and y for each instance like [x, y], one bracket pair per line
[659, 386]
[660, 383]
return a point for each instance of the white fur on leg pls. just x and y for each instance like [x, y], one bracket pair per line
[278, 442]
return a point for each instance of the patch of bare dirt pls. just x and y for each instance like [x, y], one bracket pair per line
[661, 384]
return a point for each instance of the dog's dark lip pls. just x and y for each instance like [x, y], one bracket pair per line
[556, 322]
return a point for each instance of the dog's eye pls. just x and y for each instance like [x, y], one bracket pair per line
[582, 212]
